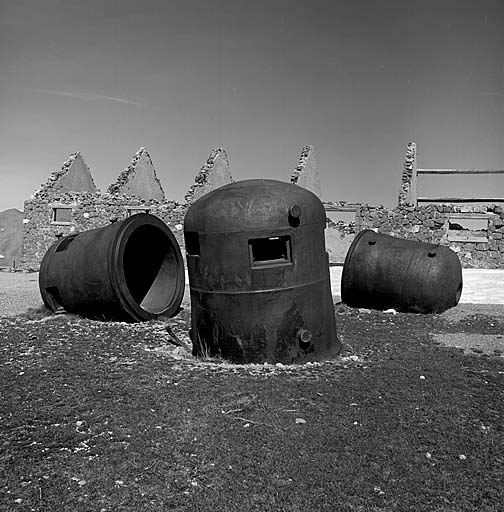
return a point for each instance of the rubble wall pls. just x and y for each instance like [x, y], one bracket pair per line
[306, 173]
[88, 211]
[339, 234]
[138, 179]
[407, 177]
[429, 223]
[215, 173]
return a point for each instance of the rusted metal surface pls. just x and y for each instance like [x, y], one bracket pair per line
[259, 274]
[130, 270]
[382, 272]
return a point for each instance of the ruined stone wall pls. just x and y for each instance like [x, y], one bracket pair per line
[306, 173]
[430, 223]
[445, 224]
[408, 178]
[213, 174]
[69, 202]
[73, 175]
[139, 179]
[88, 211]
[339, 234]
[337, 242]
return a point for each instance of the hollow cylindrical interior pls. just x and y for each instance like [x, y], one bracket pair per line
[151, 268]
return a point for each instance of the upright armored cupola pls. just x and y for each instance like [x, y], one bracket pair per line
[259, 274]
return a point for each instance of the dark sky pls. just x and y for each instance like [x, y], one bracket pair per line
[357, 79]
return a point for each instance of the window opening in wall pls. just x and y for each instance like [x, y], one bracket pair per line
[467, 229]
[192, 243]
[270, 251]
[133, 210]
[63, 245]
[62, 215]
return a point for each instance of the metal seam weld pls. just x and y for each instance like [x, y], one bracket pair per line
[269, 290]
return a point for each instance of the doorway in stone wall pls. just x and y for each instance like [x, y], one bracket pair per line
[339, 234]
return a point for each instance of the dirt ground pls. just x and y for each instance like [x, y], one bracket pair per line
[111, 416]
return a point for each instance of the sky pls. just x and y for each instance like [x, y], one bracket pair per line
[357, 79]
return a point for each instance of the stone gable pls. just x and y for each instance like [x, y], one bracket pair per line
[139, 179]
[215, 173]
[58, 209]
[306, 173]
[74, 176]
[54, 210]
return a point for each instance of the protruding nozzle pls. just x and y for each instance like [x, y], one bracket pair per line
[305, 336]
[295, 211]
[294, 214]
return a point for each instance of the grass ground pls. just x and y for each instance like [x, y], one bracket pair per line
[112, 417]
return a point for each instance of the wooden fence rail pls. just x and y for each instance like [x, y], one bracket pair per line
[414, 199]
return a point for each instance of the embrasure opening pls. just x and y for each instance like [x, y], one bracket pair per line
[270, 251]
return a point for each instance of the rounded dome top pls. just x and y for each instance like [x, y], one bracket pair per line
[252, 205]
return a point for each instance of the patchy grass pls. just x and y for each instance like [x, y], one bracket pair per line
[37, 313]
[117, 417]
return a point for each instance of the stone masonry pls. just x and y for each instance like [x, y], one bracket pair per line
[73, 175]
[71, 193]
[139, 179]
[431, 223]
[214, 174]
[407, 176]
[434, 223]
[70, 202]
[306, 173]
